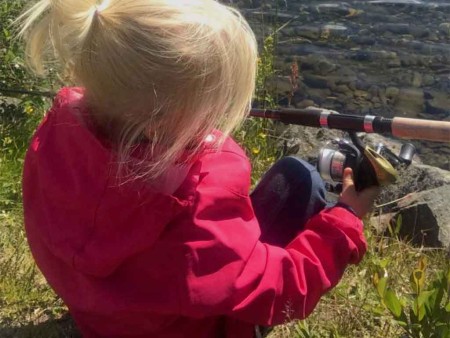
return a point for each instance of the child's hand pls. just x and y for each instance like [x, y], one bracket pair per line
[360, 201]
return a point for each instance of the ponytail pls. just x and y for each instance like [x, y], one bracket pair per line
[58, 27]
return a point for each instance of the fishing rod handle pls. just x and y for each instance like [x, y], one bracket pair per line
[416, 129]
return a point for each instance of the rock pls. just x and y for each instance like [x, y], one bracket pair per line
[344, 89]
[340, 9]
[309, 32]
[360, 93]
[396, 28]
[394, 63]
[444, 28]
[305, 103]
[306, 141]
[318, 95]
[392, 92]
[332, 30]
[279, 84]
[438, 105]
[362, 56]
[425, 219]
[315, 81]
[410, 102]
[428, 80]
[416, 80]
[415, 178]
[323, 67]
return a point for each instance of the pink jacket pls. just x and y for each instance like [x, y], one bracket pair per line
[132, 262]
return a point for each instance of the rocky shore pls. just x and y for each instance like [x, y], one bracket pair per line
[388, 58]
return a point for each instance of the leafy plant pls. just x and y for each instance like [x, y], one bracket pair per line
[425, 311]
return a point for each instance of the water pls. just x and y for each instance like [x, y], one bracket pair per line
[388, 58]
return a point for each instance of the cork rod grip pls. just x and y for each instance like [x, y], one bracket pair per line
[417, 129]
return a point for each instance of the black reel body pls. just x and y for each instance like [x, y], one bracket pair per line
[370, 167]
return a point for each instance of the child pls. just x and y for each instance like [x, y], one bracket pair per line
[137, 207]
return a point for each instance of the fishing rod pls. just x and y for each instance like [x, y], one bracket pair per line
[405, 128]
[377, 166]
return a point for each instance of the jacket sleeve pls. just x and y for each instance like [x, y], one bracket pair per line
[230, 272]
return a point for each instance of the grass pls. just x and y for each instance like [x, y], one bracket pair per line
[29, 308]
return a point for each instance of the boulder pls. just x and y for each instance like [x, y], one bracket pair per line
[415, 178]
[425, 217]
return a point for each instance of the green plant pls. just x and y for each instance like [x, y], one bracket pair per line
[266, 70]
[257, 135]
[425, 311]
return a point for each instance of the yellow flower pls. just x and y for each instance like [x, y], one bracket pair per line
[255, 150]
[7, 140]
[262, 135]
[29, 110]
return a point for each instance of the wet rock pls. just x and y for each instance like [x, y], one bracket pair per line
[309, 32]
[339, 9]
[324, 67]
[305, 103]
[396, 28]
[428, 80]
[416, 79]
[392, 92]
[444, 28]
[363, 40]
[279, 84]
[315, 81]
[360, 94]
[438, 105]
[410, 102]
[332, 30]
[362, 55]
[344, 89]
[318, 95]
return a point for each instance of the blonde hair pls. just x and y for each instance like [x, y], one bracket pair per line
[172, 70]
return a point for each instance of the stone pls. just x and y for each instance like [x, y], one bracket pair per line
[315, 81]
[344, 89]
[392, 92]
[396, 28]
[415, 178]
[438, 105]
[324, 67]
[444, 28]
[360, 93]
[305, 103]
[340, 9]
[309, 32]
[425, 219]
[318, 95]
[333, 30]
[410, 102]
[428, 80]
[416, 80]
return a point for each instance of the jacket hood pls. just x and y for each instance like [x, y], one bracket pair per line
[72, 198]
